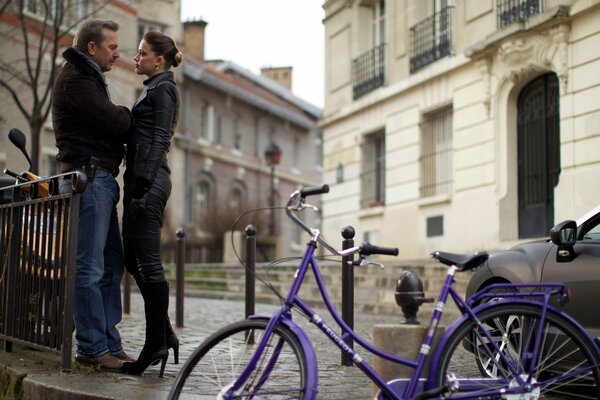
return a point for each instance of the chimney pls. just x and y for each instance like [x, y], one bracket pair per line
[281, 75]
[193, 38]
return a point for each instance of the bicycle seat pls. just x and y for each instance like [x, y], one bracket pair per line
[463, 262]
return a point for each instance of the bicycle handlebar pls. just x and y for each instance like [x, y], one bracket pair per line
[311, 191]
[369, 249]
[297, 203]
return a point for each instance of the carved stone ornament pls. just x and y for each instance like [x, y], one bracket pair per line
[545, 51]
[484, 66]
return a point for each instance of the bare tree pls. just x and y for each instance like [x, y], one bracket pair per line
[42, 29]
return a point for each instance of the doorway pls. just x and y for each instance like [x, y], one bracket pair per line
[538, 131]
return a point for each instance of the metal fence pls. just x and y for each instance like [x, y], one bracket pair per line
[368, 71]
[38, 236]
[431, 39]
[511, 11]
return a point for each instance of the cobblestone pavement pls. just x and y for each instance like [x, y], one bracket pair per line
[204, 316]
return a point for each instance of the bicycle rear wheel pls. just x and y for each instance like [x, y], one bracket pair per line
[563, 367]
[216, 363]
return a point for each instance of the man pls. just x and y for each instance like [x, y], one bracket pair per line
[90, 131]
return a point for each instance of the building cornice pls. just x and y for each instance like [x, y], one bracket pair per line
[381, 95]
[210, 151]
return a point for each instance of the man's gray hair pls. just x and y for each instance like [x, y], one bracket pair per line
[91, 31]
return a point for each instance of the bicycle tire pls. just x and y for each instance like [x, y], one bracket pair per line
[566, 349]
[217, 362]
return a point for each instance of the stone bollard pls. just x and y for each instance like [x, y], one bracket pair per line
[403, 340]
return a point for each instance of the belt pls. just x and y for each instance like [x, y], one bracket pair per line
[87, 169]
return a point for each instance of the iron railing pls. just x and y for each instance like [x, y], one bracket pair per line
[431, 39]
[38, 245]
[368, 71]
[510, 11]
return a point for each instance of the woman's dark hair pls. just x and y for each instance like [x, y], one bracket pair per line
[91, 31]
[162, 45]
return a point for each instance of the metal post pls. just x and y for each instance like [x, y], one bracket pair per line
[348, 288]
[250, 276]
[250, 269]
[272, 203]
[179, 277]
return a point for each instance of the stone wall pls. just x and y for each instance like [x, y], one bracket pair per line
[373, 291]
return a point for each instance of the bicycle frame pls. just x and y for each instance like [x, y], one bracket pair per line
[399, 389]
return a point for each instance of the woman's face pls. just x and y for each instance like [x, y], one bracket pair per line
[146, 61]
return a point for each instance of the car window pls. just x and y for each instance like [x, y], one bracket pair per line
[591, 229]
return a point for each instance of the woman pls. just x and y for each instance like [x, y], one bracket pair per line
[147, 188]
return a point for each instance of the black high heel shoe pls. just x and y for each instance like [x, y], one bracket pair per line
[173, 343]
[148, 357]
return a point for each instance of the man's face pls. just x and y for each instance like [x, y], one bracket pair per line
[106, 53]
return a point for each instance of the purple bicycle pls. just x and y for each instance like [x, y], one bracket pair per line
[512, 342]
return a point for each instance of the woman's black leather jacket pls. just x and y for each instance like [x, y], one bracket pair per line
[155, 115]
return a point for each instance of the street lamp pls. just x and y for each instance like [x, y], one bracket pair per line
[272, 156]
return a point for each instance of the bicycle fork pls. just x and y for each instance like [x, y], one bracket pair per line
[243, 382]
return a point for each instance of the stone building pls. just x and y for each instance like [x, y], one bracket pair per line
[134, 18]
[460, 125]
[230, 119]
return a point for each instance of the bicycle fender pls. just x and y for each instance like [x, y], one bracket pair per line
[309, 352]
[435, 358]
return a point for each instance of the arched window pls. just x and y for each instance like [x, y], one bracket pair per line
[237, 197]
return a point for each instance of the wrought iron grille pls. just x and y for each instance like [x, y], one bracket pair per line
[38, 243]
[431, 39]
[436, 153]
[368, 71]
[510, 11]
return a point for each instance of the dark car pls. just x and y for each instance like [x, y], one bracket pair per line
[571, 255]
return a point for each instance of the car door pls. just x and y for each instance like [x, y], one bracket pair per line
[581, 275]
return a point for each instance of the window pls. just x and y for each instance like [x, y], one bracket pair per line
[436, 153]
[237, 197]
[378, 22]
[52, 8]
[431, 38]
[373, 170]
[145, 26]
[83, 9]
[202, 199]
[219, 130]
[296, 153]
[511, 11]
[237, 136]
[368, 69]
[207, 122]
[31, 6]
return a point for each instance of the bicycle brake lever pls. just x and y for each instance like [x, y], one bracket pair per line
[376, 264]
[305, 205]
[361, 262]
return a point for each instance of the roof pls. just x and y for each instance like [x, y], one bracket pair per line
[257, 90]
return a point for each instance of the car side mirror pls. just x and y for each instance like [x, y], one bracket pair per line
[564, 235]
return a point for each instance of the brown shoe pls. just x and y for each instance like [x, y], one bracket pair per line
[123, 356]
[106, 361]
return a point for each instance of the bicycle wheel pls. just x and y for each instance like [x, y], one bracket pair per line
[563, 366]
[216, 363]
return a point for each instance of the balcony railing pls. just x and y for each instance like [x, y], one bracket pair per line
[510, 11]
[431, 39]
[368, 71]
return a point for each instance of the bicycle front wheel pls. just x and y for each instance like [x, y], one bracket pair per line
[565, 365]
[213, 367]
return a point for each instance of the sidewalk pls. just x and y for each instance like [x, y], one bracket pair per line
[43, 379]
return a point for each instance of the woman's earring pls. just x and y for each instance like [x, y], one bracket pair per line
[155, 66]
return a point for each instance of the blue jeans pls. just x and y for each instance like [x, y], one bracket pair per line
[99, 268]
